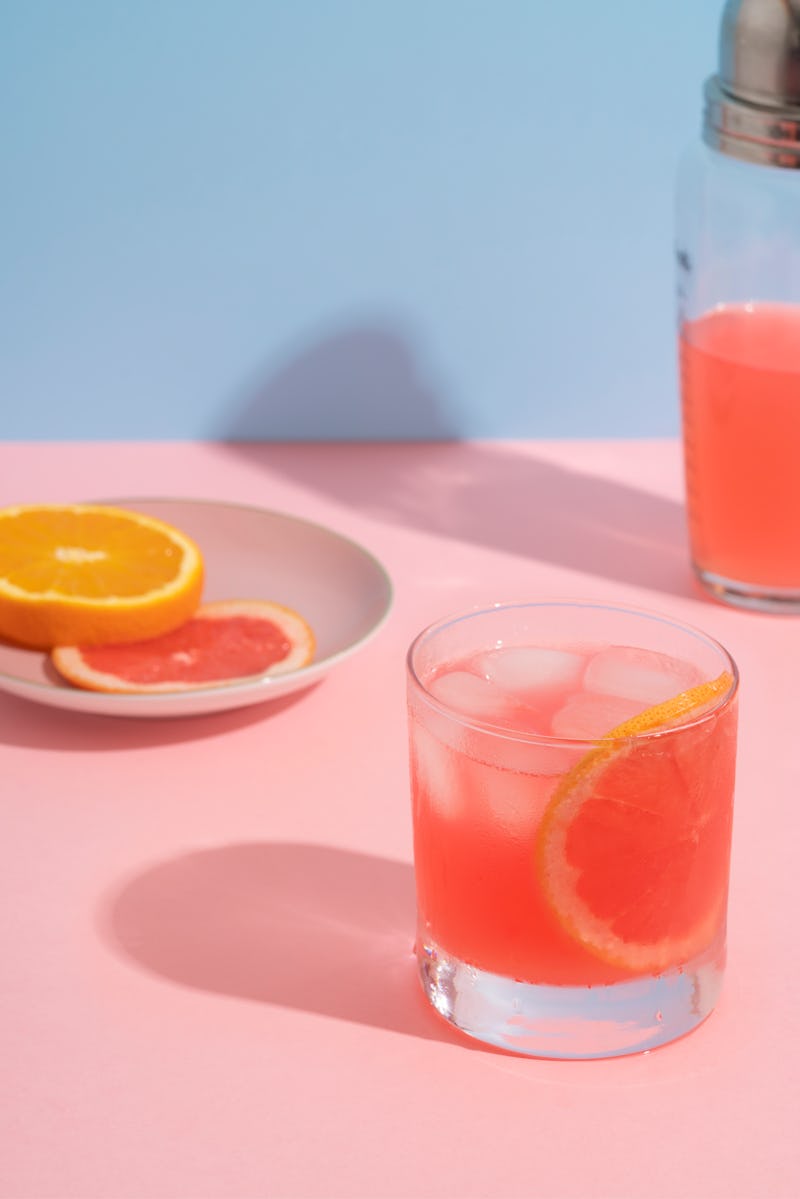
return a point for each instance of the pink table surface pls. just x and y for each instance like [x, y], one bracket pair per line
[207, 983]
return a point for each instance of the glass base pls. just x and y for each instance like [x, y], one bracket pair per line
[750, 595]
[570, 1022]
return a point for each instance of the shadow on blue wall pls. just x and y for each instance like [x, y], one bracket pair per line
[368, 384]
[364, 383]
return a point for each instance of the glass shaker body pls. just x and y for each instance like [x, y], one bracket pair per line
[738, 266]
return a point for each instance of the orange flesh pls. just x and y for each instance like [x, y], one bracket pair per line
[96, 550]
[91, 574]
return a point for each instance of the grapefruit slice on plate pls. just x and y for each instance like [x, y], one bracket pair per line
[223, 642]
[632, 852]
[90, 573]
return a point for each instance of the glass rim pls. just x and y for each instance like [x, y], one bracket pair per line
[502, 732]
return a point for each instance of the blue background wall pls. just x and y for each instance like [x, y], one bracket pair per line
[342, 218]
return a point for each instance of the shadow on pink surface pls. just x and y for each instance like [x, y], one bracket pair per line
[38, 726]
[488, 495]
[304, 926]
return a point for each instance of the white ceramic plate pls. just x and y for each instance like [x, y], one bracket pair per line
[342, 591]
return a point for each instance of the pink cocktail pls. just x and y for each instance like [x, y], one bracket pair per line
[740, 385]
[572, 779]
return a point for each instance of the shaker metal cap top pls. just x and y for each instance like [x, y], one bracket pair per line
[753, 103]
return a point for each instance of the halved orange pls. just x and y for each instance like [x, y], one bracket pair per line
[90, 573]
[221, 643]
[633, 849]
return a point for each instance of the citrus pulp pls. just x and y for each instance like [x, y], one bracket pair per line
[90, 573]
[632, 851]
[222, 642]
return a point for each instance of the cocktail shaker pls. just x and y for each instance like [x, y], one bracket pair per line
[738, 268]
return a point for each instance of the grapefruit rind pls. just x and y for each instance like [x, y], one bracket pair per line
[37, 613]
[560, 880]
[71, 664]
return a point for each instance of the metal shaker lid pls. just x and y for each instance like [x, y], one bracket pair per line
[753, 103]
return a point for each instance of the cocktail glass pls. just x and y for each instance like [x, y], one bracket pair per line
[572, 776]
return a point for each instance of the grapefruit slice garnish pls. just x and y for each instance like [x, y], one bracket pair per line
[223, 642]
[90, 573]
[632, 852]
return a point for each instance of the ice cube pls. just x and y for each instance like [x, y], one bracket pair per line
[639, 674]
[468, 694]
[522, 669]
[591, 715]
[434, 773]
[515, 801]
[535, 757]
